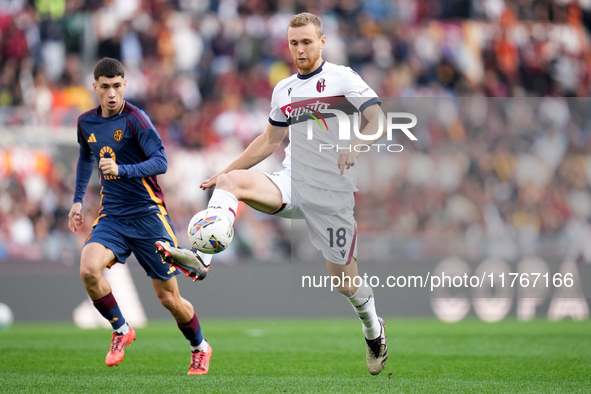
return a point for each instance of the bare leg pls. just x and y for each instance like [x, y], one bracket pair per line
[347, 287]
[169, 296]
[253, 188]
[95, 257]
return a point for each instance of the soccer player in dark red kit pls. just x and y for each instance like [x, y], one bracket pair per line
[133, 216]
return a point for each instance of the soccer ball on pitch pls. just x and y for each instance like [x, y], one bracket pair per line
[6, 316]
[210, 231]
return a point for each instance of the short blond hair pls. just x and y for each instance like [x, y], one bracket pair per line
[306, 18]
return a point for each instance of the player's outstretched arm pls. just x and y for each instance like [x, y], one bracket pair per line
[75, 217]
[373, 113]
[258, 150]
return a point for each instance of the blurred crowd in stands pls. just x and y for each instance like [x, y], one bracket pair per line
[489, 177]
[204, 70]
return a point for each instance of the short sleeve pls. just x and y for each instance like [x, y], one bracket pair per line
[357, 91]
[277, 117]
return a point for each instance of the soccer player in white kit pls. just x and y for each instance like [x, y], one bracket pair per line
[319, 187]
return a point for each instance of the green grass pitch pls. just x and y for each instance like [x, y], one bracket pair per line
[304, 355]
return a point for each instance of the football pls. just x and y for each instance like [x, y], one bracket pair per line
[6, 316]
[210, 231]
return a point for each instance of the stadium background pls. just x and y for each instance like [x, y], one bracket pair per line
[204, 72]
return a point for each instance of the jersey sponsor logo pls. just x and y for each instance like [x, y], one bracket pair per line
[317, 116]
[92, 138]
[118, 135]
[107, 152]
[303, 108]
[320, 85]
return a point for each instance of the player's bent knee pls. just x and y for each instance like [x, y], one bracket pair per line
[347, 291]
[89, 275]
[227, 182]
[235, 182]
[169, 301]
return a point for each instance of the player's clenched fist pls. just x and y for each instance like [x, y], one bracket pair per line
[75, 217]
[108, 166]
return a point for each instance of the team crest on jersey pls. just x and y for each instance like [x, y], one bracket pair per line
[118, 135]
[320, 85]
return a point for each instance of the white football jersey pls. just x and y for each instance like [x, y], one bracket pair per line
[304, 103]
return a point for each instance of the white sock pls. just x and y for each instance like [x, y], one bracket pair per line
[123, 330]
[364, 305]
[201, 347]
[224, 201]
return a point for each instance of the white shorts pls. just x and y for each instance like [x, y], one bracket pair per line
[328, 214]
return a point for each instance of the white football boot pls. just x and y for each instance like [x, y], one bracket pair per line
[187, 261]
[377, 351]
